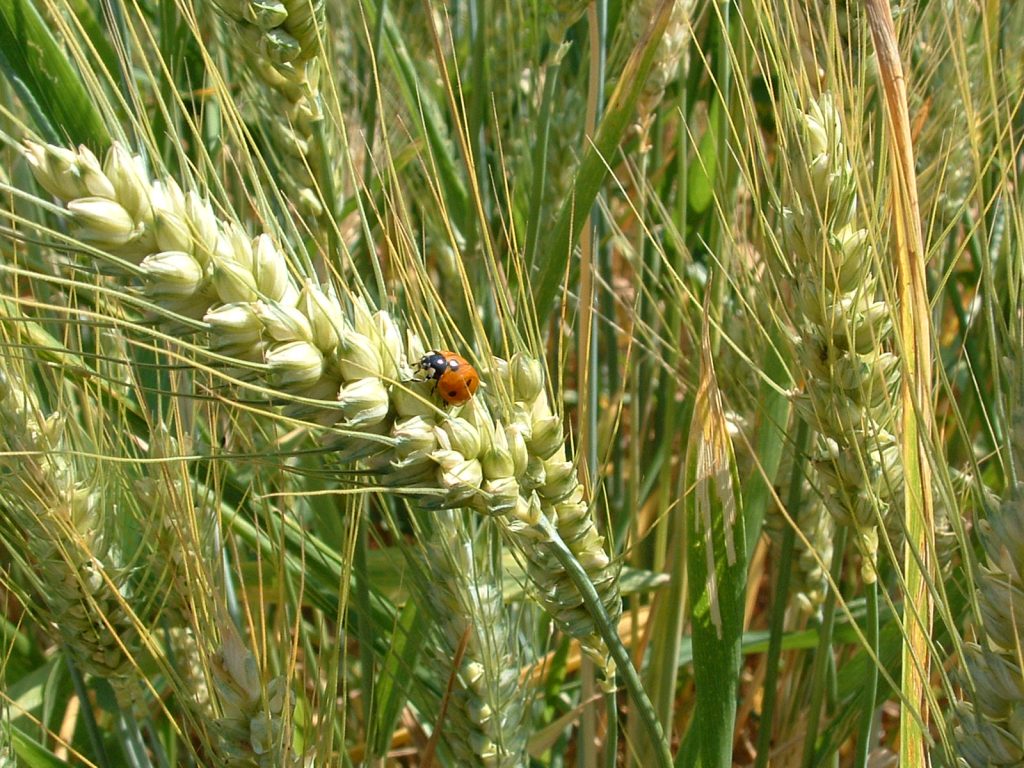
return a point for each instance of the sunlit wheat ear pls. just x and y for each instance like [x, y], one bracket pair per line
[254, 726]
[53, 528]
[484, 723]
[502, 454]
[843, 326]
[989, 717]
[280, 42]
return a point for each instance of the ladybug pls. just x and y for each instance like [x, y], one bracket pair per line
[455, 379]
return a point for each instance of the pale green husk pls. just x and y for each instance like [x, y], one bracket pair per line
[53, 524]
[990, 716]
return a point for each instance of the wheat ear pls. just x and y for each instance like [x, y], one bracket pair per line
[843, 326]
[503, 455]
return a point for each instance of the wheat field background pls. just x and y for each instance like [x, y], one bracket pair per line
[741, 281]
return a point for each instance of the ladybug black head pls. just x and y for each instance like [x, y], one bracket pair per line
[434, 363]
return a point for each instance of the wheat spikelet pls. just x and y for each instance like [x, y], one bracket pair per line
[988, 717]
[668, 59]
[280, 43]
[253, 729]
[813, 557]
[990, 711]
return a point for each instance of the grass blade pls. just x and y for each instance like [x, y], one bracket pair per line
[44, 78]
[716, 554]
[392, 684]
[594, 168]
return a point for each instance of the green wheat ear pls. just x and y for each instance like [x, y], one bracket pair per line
[52, 520]
[669, 58]
[989, 712]
[253, 728]
[485, 723]
[844, 326]
[988, 715]
[503, 455]
[280, 44]
[813, 557]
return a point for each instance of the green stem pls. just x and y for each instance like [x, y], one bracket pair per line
[364, 623]
[324, 170]
[594, 167]
[43, 76]
[369, 217]
[727, 169]
[129, 733]
[611, 741]
[540, 163]
[823, 654]
[864, 739]
[476, 111]
[793, 501]
[590, 386]
[88, 715]
[609, 633]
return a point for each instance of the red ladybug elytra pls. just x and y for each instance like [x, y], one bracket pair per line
[456, 379]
